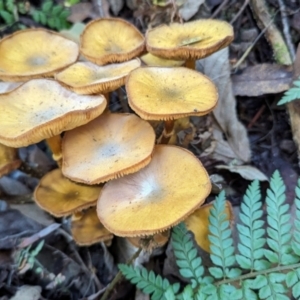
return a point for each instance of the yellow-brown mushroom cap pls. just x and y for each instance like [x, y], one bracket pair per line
[112, 145]
[35, 53]
[87, 229]
[157, 93]
[191, 40]
[42, 108]
[155, 61]
[111, 40]
[157, 197]
[198, 223]
[61, 197]
[88, 78]
[149, 243]
[8, 159]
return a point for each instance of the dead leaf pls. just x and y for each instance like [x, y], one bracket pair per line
[116, 6]
[139, 295]
[247, 172]
[12, 187]
[80, 11]
[262, 79]
[14, 226]
[28, 292]
[190, 8]
[217, 67]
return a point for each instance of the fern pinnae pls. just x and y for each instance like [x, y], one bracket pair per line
[292, 94]
[222, 250]
[251, 232]
[188, 261]
[279, 227]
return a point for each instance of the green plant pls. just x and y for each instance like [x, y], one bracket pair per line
[52, 15]
[292, 94]
[266, 265]
[49, 14]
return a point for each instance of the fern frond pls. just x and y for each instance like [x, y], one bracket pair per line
[251, 232]
[291, 94]
[296, 232]
[148, 282]
[220, 237]
[279, 227]
[187, 260]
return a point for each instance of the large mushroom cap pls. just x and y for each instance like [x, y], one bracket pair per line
[111, 40]
[192, 40]
[88, 78]
[61, 197]
[87, 229]
[42, 108]
[156, 93]
[157, 197]
[35, 53]
[113, 145]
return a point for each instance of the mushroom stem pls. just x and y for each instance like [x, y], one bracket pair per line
[54, 144]
[190, 64]
[168, 132]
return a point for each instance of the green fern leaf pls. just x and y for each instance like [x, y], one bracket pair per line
[222, 250]
[296, 232]
[279, 227]
[145, 281]
[189, 264]
[251, 232]
[292, 94]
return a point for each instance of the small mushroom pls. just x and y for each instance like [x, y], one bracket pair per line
[60, 196]
[9, 160]
[35, 53]
[88, 78]
[42, 109]
[87, 229]
[110, 40]
[156, 197]
[157, 93]
[113, 145]
[189, 41]
[155, 61]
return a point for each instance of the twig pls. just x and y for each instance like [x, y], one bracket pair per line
[119, 276]
[219, 9]
[79, 259]
[286, 29]
[240, 11]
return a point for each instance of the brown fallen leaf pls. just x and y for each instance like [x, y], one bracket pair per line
[217, 67]
[190, 8]
[262, 79]
[80, 11]
[116, 6]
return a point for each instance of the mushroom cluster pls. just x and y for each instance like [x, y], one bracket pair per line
[114, 177]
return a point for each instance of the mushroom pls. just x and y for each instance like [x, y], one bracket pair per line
[60, 196]
[156, 197]
[189, 41]
[88, 78]
[9, 160]
[110, 40]
[157, 93]
[35, 53]
[113, 145]
[198, 223]
[155, 61]
[42, 109]
[87, 229]
[6, 87]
